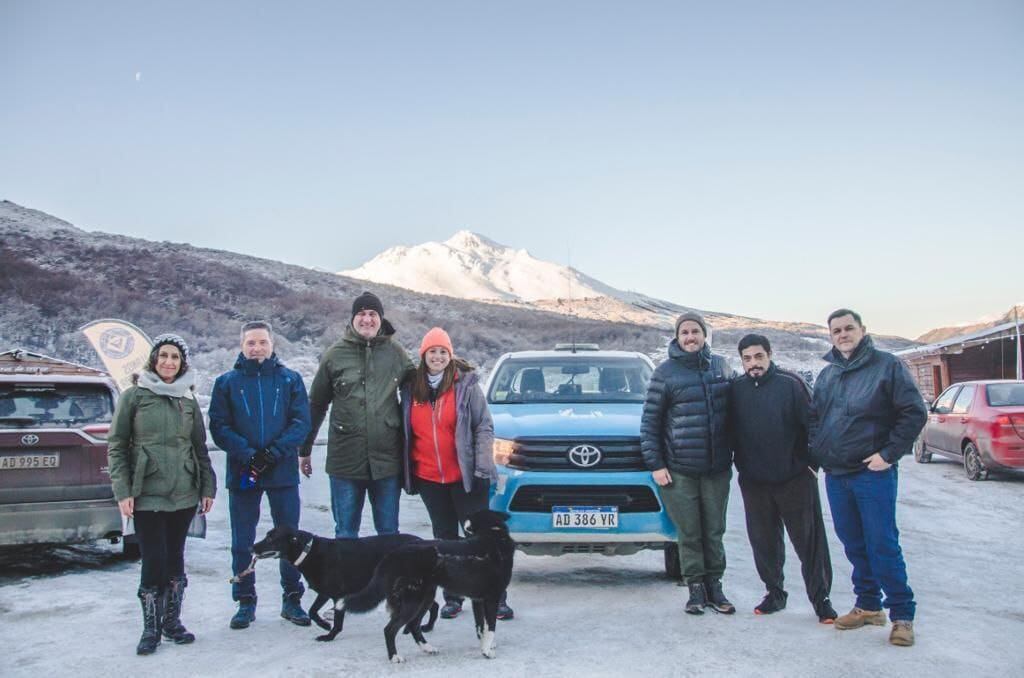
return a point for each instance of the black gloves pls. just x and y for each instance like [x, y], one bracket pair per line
[262, 461]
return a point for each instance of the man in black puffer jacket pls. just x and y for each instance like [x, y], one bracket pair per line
[685, 443]
[769, 420]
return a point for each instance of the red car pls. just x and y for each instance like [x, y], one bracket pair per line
[54, 484]
[980, 423]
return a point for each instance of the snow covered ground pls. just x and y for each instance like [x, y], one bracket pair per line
[73, 610]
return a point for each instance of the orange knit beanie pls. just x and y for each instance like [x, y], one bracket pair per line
[436, 337]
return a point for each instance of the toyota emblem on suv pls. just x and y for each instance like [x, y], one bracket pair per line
[584, 456]
[30, 439]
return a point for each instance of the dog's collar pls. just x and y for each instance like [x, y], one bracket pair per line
[305, 552]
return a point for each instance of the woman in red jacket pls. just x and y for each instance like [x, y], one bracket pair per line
[449, 439]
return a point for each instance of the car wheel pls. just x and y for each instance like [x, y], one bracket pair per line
[921, 455]
[130, 549]
[672, 566]
[973, 467]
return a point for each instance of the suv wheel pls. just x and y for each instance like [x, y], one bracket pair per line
[973, 468]
[921, 453]
[672, 566]
[130, 549]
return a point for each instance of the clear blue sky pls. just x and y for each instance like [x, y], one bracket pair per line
[775, 159]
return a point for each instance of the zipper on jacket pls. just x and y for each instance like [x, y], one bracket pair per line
[245, 401]
[435, 414]
[259, 390]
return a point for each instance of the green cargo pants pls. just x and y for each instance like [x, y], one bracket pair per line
[697, 505]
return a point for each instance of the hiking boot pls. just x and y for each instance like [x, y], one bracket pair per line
[246, 613]
[773, 602]
[698, 598]
[826, 613]
[291, 609]
[152, 600]
[173, 629]
[451, 609]
[716, 599]
[902, 633]
[856, 618]
[505, 612]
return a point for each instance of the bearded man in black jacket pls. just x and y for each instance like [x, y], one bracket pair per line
[769, 423]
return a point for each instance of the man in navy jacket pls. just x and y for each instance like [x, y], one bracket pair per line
[259, 415]
[866, 414]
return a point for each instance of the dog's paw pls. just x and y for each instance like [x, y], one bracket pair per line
[490, 654]
[327, 637]
[428, 648]
[397, 659]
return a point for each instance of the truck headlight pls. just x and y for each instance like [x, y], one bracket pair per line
[503, 451]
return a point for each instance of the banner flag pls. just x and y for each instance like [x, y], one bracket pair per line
[123, 348]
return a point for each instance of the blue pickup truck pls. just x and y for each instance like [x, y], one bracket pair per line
[567, 447]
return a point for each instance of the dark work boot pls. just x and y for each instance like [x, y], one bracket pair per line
[773, 602]
[173, 629]
[246, 613]
[291, 609]
[826, 613]
[698, 598]
[152, 612]
[505, 612]
[716, 599]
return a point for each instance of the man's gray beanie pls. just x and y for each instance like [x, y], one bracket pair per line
[695, 317]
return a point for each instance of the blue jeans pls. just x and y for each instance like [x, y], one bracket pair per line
[347, 497]
[864, 514]
[244, 509]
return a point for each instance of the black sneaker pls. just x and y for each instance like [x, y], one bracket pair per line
[826, 613]
[716, 599]
[773, 602]
[505, 612]
[451, 609]
[698, 599]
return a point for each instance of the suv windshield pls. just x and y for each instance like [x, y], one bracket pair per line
[1005, 395]
[572, 378]
[53, 405]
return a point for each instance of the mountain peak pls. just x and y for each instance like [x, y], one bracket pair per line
[468, 240]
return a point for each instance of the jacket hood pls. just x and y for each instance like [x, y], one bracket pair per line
[859, 357]
[250, 366]
[353, 337]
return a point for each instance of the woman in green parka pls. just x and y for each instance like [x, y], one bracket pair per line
[160, 470]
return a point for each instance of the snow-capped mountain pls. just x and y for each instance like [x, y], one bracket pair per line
[470, 266]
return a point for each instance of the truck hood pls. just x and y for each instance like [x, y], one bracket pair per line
[553, 420]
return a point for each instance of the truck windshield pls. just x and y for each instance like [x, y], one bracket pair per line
[54, 405]
[573, 378]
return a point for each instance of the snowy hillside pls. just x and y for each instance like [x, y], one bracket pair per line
[470, 266]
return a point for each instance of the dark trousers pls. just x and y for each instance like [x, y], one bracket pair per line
[161, 536]
[795, 505]
[244, 509]
[864, 514]
[697, 506]
[449, 505]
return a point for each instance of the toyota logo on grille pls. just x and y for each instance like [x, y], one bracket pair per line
[30, 439]
[584, 456]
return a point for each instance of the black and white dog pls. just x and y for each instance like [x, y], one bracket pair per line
[478, 567]
[334, 568]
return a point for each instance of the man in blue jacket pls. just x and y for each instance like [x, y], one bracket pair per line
[866, 414]
[259, 415]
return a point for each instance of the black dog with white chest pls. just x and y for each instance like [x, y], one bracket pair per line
[333, 568]
[478, 567]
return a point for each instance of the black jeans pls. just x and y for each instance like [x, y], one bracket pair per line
[161, 536]
[449, 505]
[795, 504]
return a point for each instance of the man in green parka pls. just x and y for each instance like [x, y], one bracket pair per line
[358, 379]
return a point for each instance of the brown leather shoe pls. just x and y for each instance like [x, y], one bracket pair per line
[856, 618]
[902, 633]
